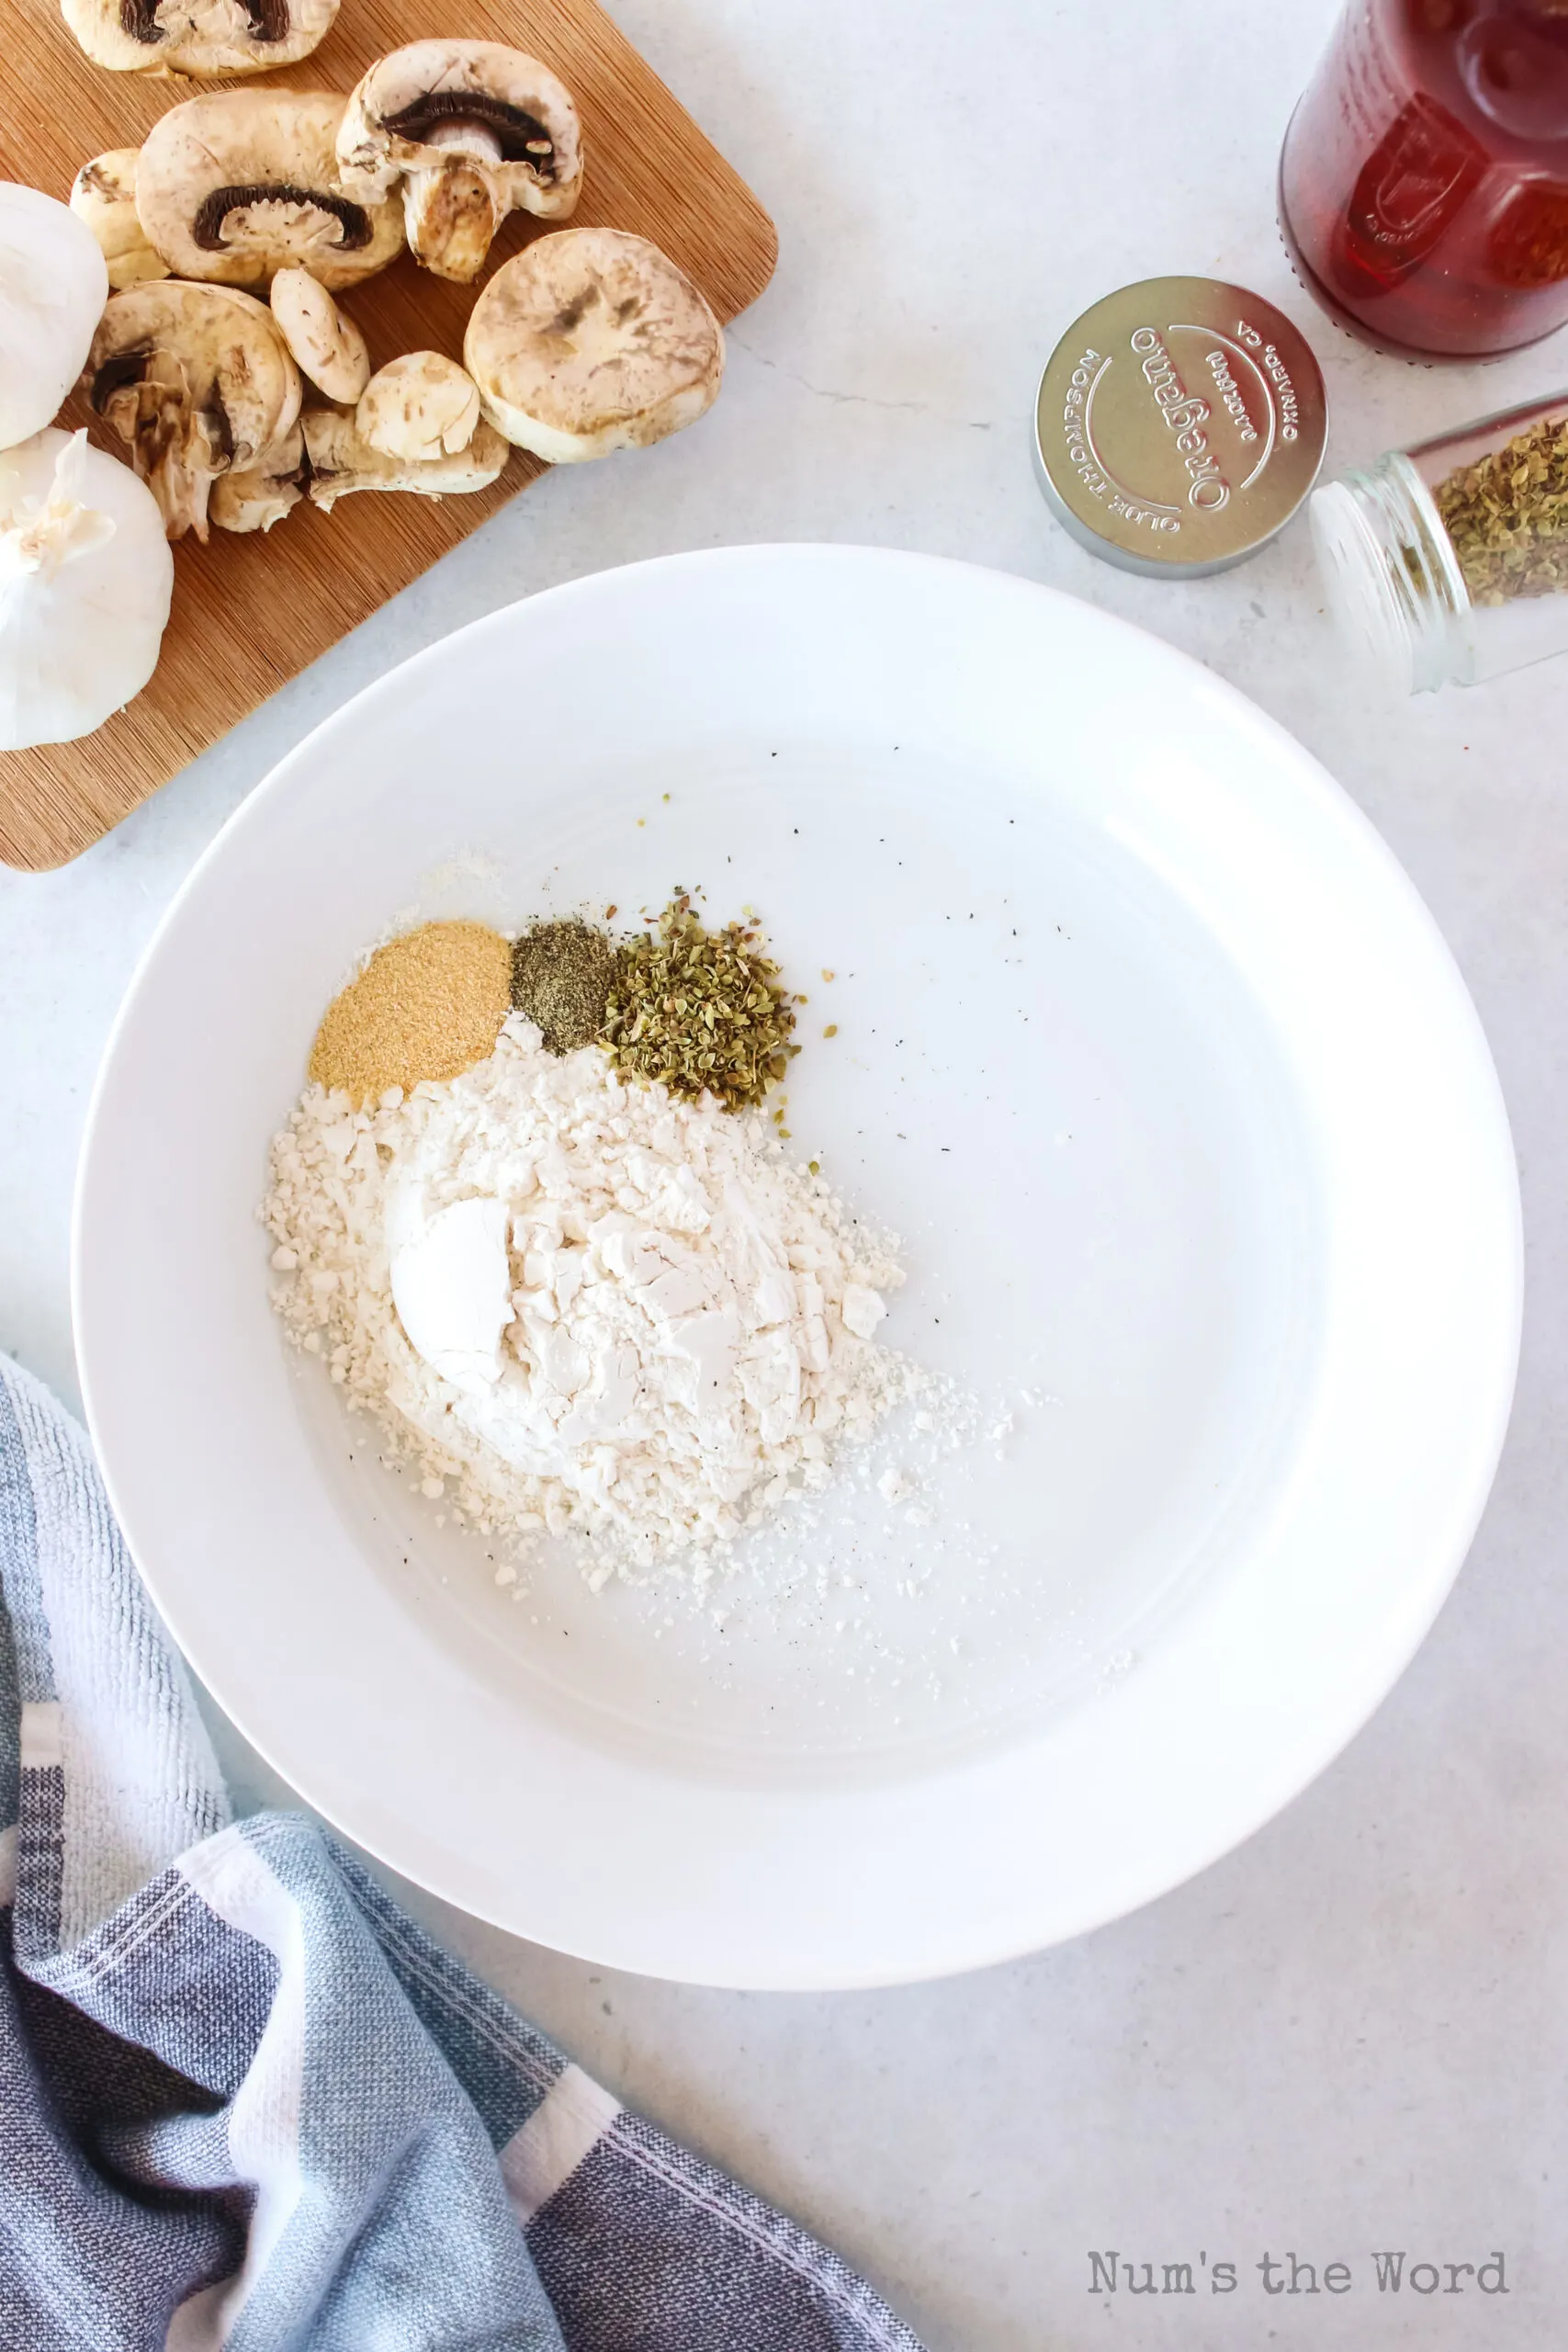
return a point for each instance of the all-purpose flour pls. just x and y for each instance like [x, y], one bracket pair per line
[636, 1317]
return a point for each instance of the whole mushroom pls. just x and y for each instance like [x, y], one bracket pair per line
[474, 130]
[199, 383]
[590, 341]
[197, 37]
[104, 195]
[236, 185]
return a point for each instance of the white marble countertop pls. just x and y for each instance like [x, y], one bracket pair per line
[1351, 2034]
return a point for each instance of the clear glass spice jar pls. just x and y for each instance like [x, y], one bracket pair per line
[1447, 563]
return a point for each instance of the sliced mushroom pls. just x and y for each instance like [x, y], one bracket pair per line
[237, 186]
[198, 382]
[474, 130]
[328, 346]
[340, 461]
[590, 341]
[197, 37]
[265, 493]
[104, 194]
[423, 405]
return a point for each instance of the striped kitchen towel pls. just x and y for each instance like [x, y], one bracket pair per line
[243, 2101]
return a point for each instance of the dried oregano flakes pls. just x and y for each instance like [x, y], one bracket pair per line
[699, 1010]
[1507, 516]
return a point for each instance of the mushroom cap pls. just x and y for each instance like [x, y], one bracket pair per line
[326, 344]
[197, 380]
[235, 185]
[197, 37]
[592, 340]
[420, 405]
[103, 193]
[436, 100]
[342, 461]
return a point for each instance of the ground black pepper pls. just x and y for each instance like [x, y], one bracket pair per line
[562, 974]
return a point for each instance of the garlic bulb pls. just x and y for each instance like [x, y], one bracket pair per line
[85, 577]
[53, 284]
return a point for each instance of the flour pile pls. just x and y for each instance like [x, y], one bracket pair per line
[591, 1307]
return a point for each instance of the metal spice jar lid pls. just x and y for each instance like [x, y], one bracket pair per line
[1179, 424]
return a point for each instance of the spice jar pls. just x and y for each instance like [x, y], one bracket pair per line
[1424, 183]
[1448, 562]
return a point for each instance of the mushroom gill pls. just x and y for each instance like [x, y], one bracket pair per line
[519, 137]
[215, 231]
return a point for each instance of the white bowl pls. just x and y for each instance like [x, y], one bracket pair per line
[1150, 1051]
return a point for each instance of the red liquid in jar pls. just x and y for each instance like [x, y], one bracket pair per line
[1423, 186]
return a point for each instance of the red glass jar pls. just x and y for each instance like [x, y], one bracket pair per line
[1424, 183]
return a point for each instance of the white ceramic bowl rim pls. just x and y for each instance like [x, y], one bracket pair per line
[1241, 1703]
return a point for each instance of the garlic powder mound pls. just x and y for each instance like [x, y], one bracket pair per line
[428, 1005]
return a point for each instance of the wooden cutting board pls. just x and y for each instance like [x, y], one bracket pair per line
[249, 613]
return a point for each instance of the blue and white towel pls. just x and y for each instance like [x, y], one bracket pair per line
[244, 2102]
